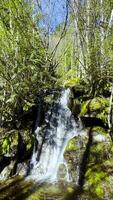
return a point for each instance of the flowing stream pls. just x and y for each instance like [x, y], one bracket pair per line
[51, 141]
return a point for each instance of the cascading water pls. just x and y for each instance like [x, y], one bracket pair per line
[52, 141]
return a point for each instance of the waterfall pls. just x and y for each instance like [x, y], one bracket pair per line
[52, 141]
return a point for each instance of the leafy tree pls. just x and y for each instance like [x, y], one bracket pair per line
[24, 61]
[87, 46]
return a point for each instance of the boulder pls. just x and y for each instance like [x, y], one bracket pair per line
[21, 169]
[5, 174]
[95, 158]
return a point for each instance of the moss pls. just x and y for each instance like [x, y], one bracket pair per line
[71, 146]
[111, 149]
[99, 103]
[100, 167]
[98, 148]
[109, 163]
[84, 108]
[99, 191]
[99, 129]
[14, 138]
[72, 82]
[96, 104]
[94, 177]
[6, 145]
[70, 189]
[98, 181]
[103, 115]
[47, 192]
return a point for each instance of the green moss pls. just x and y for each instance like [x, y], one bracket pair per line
[70, 189]
[111, 148]
[6, 145]
[71, 146]
[103, 115]
[96, 104]
[99, 191]
[94, 178]
[84, 108]
[72, 82]
[99, 103]
[99, 129]
[98, 148]
[100, 167]
[109, 163]
[14, 138]
[46, 192]
[97, 181]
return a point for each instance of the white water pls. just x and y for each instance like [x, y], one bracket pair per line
[62, 128]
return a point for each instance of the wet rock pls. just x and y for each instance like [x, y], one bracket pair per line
[62, 172]
[21, 169]
[5, 174]
[99, 138]
[73, 154]
[98, 174]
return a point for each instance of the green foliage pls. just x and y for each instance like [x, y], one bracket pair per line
[86, 48]
[24, 61]
[9, 141]
[28, 139]
[68, 78]
[49, 99]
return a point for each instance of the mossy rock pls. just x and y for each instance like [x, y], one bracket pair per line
[96, 104]
[97, 181]
[100, 167]
[98, 129]
[97, 107]
[71, 146]
[72, 82]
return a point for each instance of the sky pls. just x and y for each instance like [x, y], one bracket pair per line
[54, 13]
